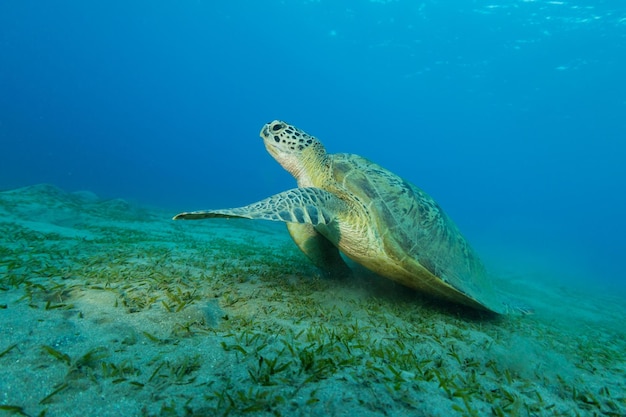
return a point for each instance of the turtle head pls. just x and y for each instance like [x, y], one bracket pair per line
[297, 152]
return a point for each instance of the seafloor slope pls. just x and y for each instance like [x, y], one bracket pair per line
[108, 309]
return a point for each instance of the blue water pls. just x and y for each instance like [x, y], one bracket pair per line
[512, 114]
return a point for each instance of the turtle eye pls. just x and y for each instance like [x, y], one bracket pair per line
[277, 127]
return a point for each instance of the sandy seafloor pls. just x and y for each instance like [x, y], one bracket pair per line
[113, 310]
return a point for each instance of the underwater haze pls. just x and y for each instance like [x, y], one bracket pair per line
[511, 114]
[117, 115]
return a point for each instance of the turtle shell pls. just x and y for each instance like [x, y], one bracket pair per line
[420, 245]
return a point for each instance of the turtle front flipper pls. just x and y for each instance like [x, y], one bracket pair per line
[308, 205]
[319, 250]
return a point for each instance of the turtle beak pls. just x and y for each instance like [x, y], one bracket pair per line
[265, 135]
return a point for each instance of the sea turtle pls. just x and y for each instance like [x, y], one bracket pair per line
[347, 203]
